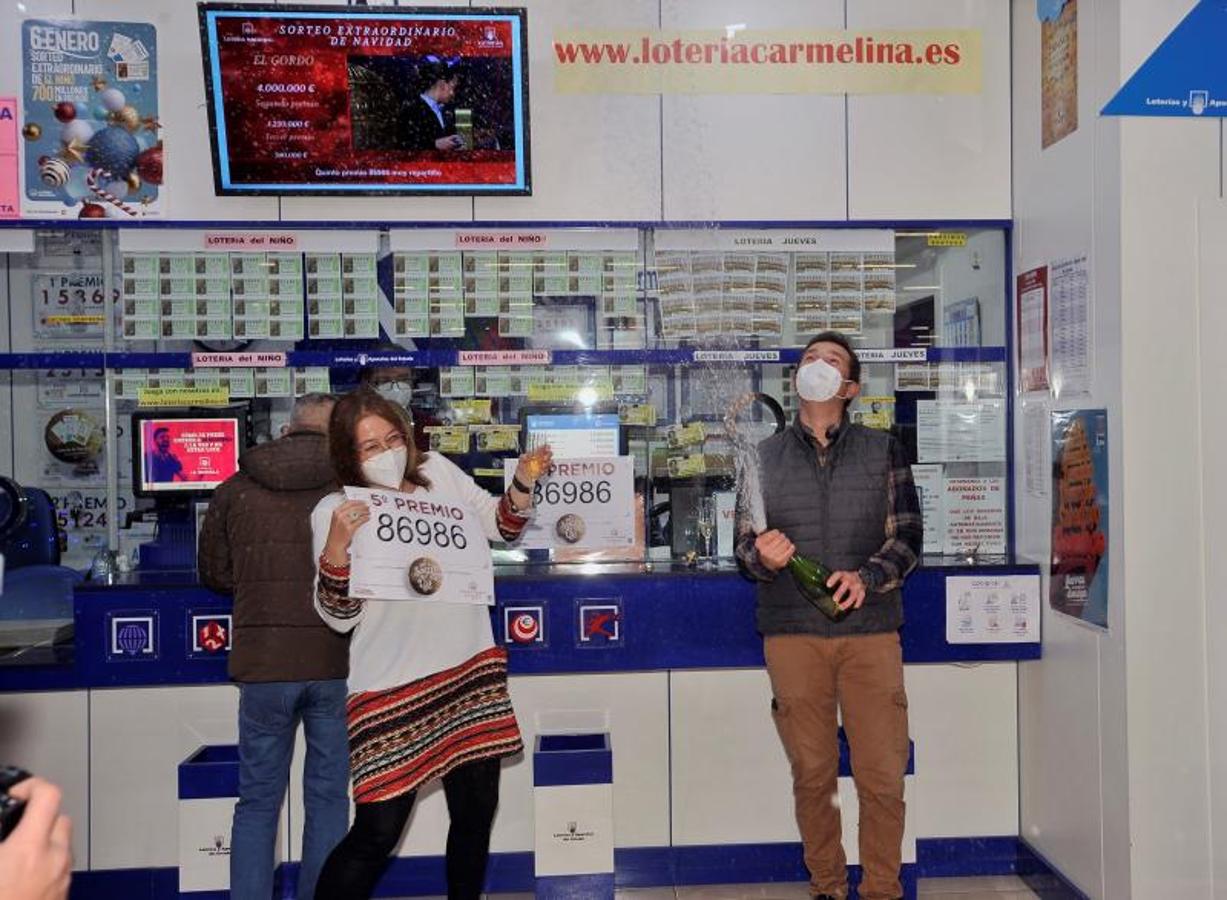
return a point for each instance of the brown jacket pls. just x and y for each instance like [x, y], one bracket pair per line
[256, 544]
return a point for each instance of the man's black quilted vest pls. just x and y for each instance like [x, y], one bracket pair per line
[834, 509]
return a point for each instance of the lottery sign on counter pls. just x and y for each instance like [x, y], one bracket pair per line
[586, 503]
[419, 549]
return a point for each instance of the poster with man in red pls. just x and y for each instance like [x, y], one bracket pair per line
[188, 454]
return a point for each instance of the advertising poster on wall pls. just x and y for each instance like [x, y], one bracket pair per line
[10, 194]
[92, 139]
[1058, 70]
[1078, 584]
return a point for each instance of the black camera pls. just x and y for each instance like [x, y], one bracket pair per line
[10, 807]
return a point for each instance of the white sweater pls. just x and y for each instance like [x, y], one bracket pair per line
[399, 641]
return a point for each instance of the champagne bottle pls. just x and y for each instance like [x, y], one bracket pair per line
[811, 577]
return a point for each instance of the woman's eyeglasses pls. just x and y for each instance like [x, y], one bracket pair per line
[393, 441]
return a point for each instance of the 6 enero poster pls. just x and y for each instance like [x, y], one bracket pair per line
[1078, 568]
[92, 142]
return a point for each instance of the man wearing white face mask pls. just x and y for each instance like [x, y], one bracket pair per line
[395, 384]
[842, 494]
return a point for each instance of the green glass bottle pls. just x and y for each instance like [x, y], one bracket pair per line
[812, 577]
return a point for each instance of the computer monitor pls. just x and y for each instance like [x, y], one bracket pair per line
[181, 454]
[573, 433]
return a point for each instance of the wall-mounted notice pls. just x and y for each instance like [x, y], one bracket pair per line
[930, 485]
[1070, 299]
[1032, 297]
[961, 323]
[93, 144]
[1004, 609]
[1036, 472]
[960, 431]
[975, 516]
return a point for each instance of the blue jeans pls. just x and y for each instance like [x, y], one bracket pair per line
[269, 713]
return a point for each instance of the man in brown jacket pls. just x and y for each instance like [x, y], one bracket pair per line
[290, 666]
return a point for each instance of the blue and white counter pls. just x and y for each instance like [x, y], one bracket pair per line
[668, 654]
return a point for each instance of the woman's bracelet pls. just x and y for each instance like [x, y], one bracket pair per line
[512, 503]
[332, 569]
[520, 486]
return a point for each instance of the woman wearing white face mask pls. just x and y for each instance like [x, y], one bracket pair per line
[427, 684]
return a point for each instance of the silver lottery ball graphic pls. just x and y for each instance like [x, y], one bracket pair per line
[570, 528]
[425, 575]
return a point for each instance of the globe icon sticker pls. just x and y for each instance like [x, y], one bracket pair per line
[132, 636]
[133, 639]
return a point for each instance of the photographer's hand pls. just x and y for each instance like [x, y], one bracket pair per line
[36, 859]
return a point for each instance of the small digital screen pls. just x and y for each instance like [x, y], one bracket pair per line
[573, 435]
[188, 454]
[343, 100]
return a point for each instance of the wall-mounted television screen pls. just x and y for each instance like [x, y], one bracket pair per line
[313, 100]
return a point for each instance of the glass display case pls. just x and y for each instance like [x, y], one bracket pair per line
[615, 341]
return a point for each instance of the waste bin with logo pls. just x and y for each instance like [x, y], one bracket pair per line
[573, 808]
[208, 791]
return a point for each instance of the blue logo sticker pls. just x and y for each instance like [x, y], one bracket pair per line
[1185, 75]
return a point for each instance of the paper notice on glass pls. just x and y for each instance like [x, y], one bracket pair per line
[975, 516]
[417, 548]
[586, 503]
[1003, 609]
[1070, 299]
[930, 486]
[959, 431]
[1032, 295]
[726, 520]
[1037, 472]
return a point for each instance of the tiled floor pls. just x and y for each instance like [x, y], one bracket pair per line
[1001, 887]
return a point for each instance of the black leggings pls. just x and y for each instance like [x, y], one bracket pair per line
[354, 867]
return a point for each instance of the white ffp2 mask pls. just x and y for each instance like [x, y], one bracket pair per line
[818, 381]
[397, 391]
[387, 469]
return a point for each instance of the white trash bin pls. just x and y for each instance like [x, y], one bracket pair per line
[573, 807]
[208, 791]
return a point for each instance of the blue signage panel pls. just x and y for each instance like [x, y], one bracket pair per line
[1185, 76]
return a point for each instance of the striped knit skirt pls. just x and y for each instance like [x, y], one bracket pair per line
[405, 736]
